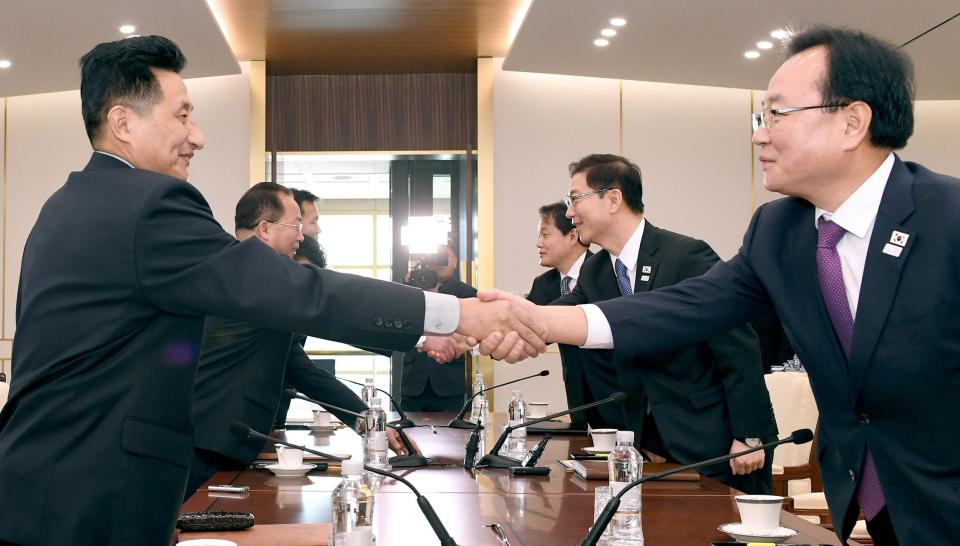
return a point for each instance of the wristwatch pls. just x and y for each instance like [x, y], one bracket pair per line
[751, 442]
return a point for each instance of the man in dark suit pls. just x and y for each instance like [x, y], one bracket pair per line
[428, 384]
[123, 263]
[559, 248]
[243, 367]
[860, 263]
[698, 402]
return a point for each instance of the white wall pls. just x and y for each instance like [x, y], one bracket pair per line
[45, 141]
[700, 172]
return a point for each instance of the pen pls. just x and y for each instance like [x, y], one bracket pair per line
[579, 457]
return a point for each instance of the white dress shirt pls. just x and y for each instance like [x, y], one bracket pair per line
[574, 272]
[856, 215]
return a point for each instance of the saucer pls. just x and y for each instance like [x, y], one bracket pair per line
[283, 471]
[322, 428]
[595, 450]
[741, 533]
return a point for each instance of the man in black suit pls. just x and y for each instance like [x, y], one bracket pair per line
[120, 268]
[860, 262]
[559, 248]
[243, 367]
[698, 402]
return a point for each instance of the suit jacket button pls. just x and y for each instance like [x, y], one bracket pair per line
[398, 324]
[864, 418]
[378, 321]
[853, 475]
[407, 325]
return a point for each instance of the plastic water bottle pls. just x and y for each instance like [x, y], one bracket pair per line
[375, 436]
[478, 401]
[351, 505]
[626, 465]
[369, 391]
[484, 420]
[517, 415]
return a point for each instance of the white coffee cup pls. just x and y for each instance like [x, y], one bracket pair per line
[321, 418]
[288, 457]
[536, 410]
[604, 439]
[760, 513]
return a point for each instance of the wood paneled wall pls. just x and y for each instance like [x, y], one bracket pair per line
[378, 112]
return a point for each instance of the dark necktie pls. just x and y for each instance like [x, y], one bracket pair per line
[869, 492]
[565, 285]
[623, 278]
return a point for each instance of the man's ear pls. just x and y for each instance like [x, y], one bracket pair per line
[119, 123]
[262, 231]
[856, 118]
[615, 197]
[573, 237]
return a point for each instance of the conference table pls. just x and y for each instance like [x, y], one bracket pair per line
[533, 510]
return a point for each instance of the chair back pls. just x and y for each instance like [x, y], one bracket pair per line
[794, 408]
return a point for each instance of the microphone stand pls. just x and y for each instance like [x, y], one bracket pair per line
[412, 460]
[461, 423]
[800, 436]
[494, 460]
[425, 507]
[403, 421]
[242, 429]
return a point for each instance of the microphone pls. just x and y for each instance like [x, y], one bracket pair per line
[412, 460]
[403, 421]
[493, 460]
[425, 507]
[241, 429]
[800, 436]
[473, 446]
[461, 423]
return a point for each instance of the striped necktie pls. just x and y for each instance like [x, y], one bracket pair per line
[623, 278]
[565, 285]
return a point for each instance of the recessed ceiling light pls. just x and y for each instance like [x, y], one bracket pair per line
[618, 21]
[780, 34]
[5, 63]
[601, 42]
[751, 54]
[128, 29]
[608, 32]
[764, 44]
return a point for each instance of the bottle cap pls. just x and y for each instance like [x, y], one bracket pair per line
[625, 436]
[516, 394]
[375, 402]
[368, 381]
[351, 468]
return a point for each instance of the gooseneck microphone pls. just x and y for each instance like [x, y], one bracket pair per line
[241, 429]
[425, 507]
[411, 460]
[493, 460]
[461, 423]
[800, 436]
[403, 421]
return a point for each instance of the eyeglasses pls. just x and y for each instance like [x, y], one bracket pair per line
[571, 199]
[767, 117]
[298, 225]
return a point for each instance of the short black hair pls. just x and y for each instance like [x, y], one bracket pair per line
[556, 214]
[612, 171]
[311, 250]
[864, 68]
[301, 196]
[261, 202]
[120, 73]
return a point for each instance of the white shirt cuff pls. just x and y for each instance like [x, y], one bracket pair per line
[420, 342]
[441, 313]
[599, 335]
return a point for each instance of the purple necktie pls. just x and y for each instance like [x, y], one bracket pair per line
[869, 493]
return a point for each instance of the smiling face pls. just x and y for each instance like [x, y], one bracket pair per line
[553, 247]
[591, 214]
[801, 150]
[164, 138]
[283, 236]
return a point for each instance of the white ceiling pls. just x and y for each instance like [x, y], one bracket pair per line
[44, 39]
[701, 42]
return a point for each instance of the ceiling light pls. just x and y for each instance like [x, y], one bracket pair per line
[751, 54]
[608, 32]
[128, 29]
[601, 42]
[780, 34]
[764, 44]
[618, 21]
[5, 63]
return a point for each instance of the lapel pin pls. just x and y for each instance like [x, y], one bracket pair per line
[644, 278]
[899, 238]
[646, 269]
[892, 250]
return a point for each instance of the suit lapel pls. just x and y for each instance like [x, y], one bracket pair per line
[881, 273]
[607, 279]
[647, 263]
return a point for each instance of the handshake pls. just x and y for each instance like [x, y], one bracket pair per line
[507, 327]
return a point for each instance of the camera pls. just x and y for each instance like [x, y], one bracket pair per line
[422, 275]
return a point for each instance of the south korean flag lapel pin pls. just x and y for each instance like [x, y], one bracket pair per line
[898, 241]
